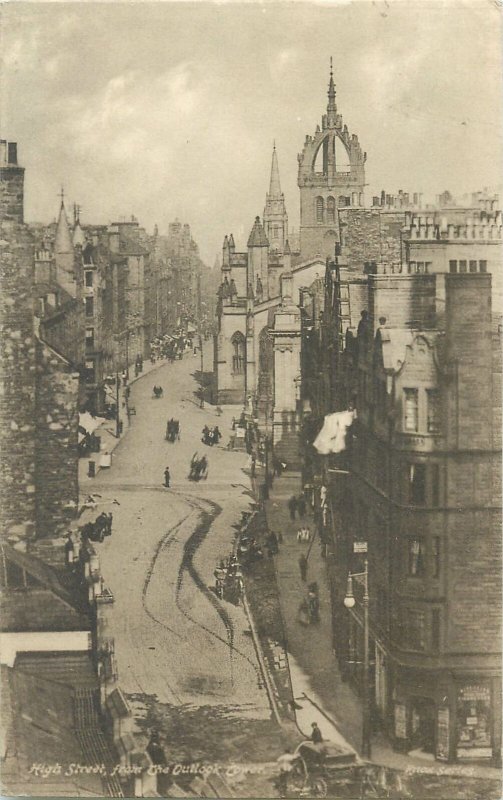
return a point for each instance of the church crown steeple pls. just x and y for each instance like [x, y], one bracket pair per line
[332, 106]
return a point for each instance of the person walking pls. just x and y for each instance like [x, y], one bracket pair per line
[167, 478]
[303, 564]
[292, 506]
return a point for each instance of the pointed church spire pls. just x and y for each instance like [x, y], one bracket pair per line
[63, 240]
[331, 90]
[274, 186]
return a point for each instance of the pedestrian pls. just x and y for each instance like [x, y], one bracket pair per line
[253, 465]
[303, 613]
[286, 762]
[303, 567]
[300, 535]
[167, 478]
[109, 523]
[301, 506]
[280, 538]
[292, 506]
[316, 736]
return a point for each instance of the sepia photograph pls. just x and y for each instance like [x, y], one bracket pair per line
[250, 325]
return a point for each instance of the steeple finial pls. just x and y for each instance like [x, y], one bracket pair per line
[274, 186]
[331, 89]
[62, 196]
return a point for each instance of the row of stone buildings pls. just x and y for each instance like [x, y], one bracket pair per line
[393, 310]
[71, 299]
[104, 293]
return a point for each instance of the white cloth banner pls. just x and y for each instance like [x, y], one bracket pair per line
[332, 437]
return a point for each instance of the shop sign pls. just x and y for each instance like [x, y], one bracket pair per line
[442, 748]
[474, 721]
[359, 547]
[400, 721]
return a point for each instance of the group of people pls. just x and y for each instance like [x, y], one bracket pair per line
[304, 534]
[198, 468]
[211, 436]
[297, 505]
[173, 430]
[97, 530]
[229, 580]
[309, 609]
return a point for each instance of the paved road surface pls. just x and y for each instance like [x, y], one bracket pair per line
[176, 643]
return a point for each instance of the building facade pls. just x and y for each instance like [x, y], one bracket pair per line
[416, 347]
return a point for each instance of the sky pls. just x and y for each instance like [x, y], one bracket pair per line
[167, 110]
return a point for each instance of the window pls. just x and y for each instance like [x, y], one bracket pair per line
[90, 371]
[90, 338]
[330, 210]
[89, 306]
[462, 266]
[427, 266]
[319, 209]
[412, 267]
[433, 410]
[473, 266]
[435, 630]
[453, 266]
[238, 353]
[416, 556]
[482, 266]
[413, 629]
[410, 409]
[89, 277]
[417, 484]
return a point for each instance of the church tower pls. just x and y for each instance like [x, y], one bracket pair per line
[331, 175]
[275, 216]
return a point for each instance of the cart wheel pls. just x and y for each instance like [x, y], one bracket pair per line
[320, 788]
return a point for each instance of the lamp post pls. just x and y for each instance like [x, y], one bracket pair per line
[201, 405]
[349, 602]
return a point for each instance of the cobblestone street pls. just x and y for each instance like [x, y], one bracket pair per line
[159, 564]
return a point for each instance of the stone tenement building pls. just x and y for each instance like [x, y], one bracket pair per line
[40, 389]
[423, 365]
[182, 252]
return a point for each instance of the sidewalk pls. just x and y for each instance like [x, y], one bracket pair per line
[314, 667]
[106, 431]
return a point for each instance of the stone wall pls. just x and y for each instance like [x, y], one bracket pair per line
[56, 455]
[17, 404]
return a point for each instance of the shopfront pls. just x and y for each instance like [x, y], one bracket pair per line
[473, 718]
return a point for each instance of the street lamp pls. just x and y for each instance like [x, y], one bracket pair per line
[349, 602]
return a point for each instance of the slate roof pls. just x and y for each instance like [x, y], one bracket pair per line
[46, 605]
[39, 727]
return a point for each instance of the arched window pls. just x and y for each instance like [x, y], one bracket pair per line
[319, 205]
[238, 342]
[330, 210]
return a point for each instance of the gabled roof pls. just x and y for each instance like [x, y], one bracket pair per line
[45, 605]
[257, 236]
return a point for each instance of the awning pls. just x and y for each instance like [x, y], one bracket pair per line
[88, 423]
[332, 437]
